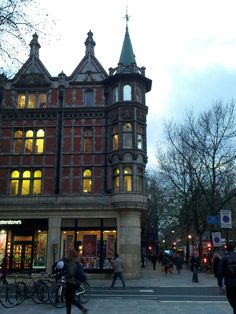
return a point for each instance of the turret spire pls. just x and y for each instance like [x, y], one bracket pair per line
[90, 44]
[34, 46]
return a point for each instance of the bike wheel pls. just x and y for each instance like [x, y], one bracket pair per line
[57, 295]
[21, 291]
[41, 292]
[83, 293]
[9, 295]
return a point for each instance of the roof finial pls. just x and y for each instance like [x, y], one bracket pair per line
[127, 16]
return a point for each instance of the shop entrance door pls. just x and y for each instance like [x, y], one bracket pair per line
[22, 256]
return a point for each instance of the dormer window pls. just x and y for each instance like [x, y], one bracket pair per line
[89, 98]
[127, 93]
[31, 100]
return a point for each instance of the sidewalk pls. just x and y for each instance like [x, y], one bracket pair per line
[156, 278]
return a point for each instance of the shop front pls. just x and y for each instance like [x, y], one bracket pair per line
[24, 242]
[95, 240]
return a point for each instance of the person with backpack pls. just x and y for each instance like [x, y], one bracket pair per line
[227, 272]
[74, 276]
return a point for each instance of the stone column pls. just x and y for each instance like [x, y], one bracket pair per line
[129, 242]
[54, 236]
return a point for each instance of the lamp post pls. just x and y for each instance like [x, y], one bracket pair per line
[189, 237]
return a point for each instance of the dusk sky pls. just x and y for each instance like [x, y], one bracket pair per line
[187, 46]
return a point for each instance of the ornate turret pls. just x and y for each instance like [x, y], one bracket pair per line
[34, 46]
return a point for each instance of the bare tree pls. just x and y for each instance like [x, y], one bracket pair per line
[16, 24]
[199, 162]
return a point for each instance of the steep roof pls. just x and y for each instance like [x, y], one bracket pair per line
[127, 56]
[33, 72]
[89, 69]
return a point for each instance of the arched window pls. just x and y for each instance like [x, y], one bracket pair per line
[17, 141]
[127, 179]
[37, 182]
[25, 187]
[127, 135]
[21, 101]
[116, 180]
[139, 180]
[89, 98]
[14, 186]
[127, 93]
[31, 101]
[115, 95]
[87, 181]
[39, 145]
[138, 94]
[42, 100]
[115, 138]
[29, 135]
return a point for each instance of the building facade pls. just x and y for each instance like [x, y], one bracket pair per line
[72, 162]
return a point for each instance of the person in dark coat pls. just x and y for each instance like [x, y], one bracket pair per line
[215, 263]
[4, 268]
[178, 261]
[195, 264]
[228, 275]
[154, 260]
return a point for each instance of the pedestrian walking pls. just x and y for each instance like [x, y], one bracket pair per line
[215, 263]
[195, 264]
[227, 272]
[166, 263]
[178, 261]
[154, 260]
[72, 282]
[118, 271]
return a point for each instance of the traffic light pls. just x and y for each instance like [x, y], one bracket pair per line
[149, 248]
[209, 246]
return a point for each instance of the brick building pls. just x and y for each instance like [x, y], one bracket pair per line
[72, 162]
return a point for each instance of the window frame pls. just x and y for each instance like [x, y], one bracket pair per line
[26, 181]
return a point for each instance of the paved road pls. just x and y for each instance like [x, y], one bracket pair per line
[152, 293]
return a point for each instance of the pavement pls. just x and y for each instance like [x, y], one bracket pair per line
[134, 303]
[156, 278]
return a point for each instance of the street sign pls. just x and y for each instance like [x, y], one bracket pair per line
[225, 219]
[212, 220]
[216, 239]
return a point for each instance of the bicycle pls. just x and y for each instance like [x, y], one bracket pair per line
[9, 294]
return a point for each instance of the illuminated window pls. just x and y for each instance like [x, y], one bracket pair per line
[89, 98]
[127, 135]
[39, 143]
[37, 182]
[25, 187]
[42, 100]
[139, 137]
[26, 183]
[21, 101]
[28, 142]
[127, 93]
[32, 101]
[87, 181]
[88, 140]
[116, 178]
[115, 94]
[17, 141]
[14, 188]
[139, 180]
[127, 179]
[115, 138]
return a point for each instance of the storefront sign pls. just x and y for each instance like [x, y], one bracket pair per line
[10, 222]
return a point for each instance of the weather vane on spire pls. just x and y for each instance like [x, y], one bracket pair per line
[127, 16]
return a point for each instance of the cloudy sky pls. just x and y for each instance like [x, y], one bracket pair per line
[187, 46]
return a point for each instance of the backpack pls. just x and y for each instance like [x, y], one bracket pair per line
[231, 266]
[80, 274]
